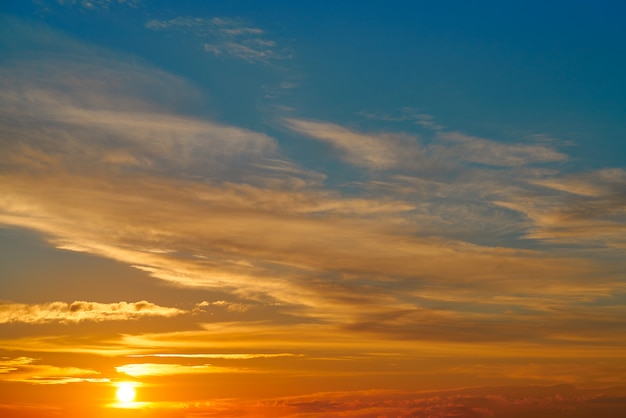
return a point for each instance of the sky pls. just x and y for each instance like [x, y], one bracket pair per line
[312, 209]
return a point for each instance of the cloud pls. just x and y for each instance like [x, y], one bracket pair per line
[119, 141]
[166, 369]
[223, 36]
[79, 311]
[263, 241]
[562, 372]
[557, 401]
[483, 151]
[94, 5]
[9, 365]
[587, 208]
[525, 322]
[463, 335]
[485, 402]
[598, 183]
[97, 160]
[407, 114]
[25, 370]
[229, 306]
[395, 151]
[383, 151]
[229, 356]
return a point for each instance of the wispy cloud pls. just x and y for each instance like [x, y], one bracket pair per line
[429, 235]
[96, 4]
[26, 370]
[226, 356]
[585, 208]
[407, 114]
[223, 36]
[9, 365]
[395, 151]
[493, 153]
[165, 369]
[383, 151]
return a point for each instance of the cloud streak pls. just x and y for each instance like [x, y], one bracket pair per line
[229, 356]
[583, 208]
[395, 151]
[80, 311]
[166, 369]
[25, 370]
[381, 151]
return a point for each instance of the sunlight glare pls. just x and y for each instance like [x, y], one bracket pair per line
[125, 392]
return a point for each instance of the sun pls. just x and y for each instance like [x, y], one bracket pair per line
[125, 392]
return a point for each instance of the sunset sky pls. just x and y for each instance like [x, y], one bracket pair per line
[312, 208]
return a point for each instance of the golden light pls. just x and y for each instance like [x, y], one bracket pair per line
[125, 392]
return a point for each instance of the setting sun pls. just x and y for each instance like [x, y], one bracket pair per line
[125, 392]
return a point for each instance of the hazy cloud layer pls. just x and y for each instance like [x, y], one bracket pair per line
[483, 402]
[557, 401]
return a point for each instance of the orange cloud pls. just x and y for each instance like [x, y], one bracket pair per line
[165, 369]
[25, 369]
[227, 356]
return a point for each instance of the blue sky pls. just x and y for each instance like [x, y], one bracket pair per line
[401, 192]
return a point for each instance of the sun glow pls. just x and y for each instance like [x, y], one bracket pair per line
[125, 392]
